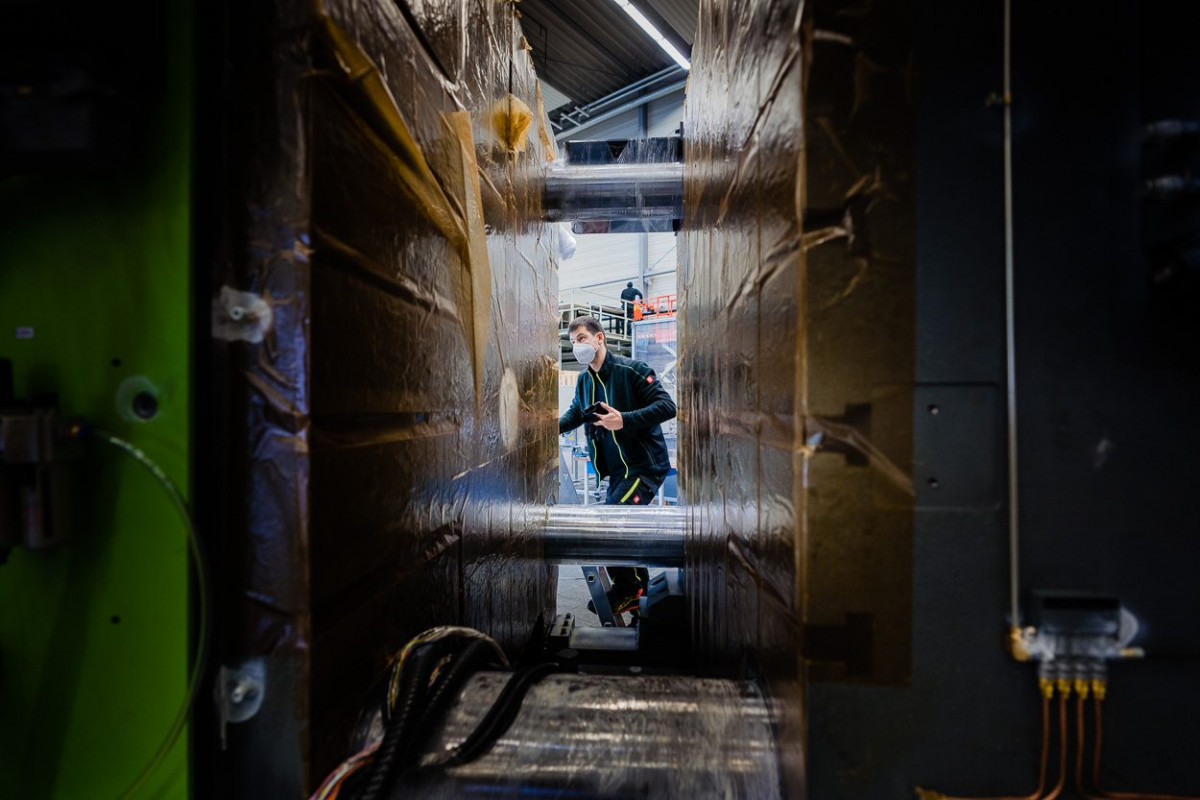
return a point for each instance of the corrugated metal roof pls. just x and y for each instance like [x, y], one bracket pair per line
[552, 97]
[679, 14]
[590, 48]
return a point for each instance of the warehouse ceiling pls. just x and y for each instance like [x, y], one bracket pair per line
[588, 49]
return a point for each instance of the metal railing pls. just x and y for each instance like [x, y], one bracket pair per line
[609, 312]
[565, 122]
[661, 305]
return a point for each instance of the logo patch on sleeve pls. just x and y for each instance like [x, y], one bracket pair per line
[649, 379]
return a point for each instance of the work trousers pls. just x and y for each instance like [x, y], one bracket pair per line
[633, 491]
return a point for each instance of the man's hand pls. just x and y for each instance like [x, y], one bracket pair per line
[611, 420]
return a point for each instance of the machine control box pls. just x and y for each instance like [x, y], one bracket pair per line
[1072, 613]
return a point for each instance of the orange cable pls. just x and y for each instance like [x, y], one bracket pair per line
[1096, 701]
[1080, 745]
[1099, 714]
[1062, 749]
[1045, 758]
[1036, 794]
[332, 785]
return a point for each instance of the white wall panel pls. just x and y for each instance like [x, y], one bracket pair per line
[622, 126]
[614, 258]
[665, 115]
[601, 257]
[663, 118]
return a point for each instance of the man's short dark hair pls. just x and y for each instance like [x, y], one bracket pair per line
[629, 285]
[592, 325]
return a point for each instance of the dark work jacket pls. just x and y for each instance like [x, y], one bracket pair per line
[632, 388]
[629, 294]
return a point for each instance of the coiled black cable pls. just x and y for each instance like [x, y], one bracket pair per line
[450, 681]
[399, 732]
[418, 704]
[499, 717]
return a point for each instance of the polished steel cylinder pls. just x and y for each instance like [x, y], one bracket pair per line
[650, 536]
[614, 192]
[601, 736]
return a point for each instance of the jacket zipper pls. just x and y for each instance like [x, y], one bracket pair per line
[592, 444]
[608, 400]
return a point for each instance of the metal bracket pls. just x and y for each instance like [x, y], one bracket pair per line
[37, 482]
[598, 585]
[240, 316]
[239, 692]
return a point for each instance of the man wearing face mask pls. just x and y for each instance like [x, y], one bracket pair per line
[624, 434]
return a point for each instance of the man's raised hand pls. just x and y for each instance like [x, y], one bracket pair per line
[611, 420]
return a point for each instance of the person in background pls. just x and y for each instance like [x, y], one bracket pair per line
[625, 439]
[628, 296]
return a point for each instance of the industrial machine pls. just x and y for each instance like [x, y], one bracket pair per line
[597, 711]
[313, 291]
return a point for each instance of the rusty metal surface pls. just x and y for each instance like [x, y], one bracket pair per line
[796, 347]
[388, 170]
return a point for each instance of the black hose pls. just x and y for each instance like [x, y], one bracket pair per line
[451, 680]
[499, 717]
[409, 705]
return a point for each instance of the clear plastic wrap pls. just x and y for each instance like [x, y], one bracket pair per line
[615, 192]
[793, 321]
[612, 736]
[393, 422]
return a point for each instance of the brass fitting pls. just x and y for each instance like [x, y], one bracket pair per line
[1099, 688]
[1047, 687]
[1064, 687]
[1018, 642]
[1081, 688]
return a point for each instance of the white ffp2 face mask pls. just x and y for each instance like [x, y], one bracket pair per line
[584, 352]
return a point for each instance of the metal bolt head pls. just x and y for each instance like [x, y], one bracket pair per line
[239, 691]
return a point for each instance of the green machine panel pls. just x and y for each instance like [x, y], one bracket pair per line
[95, 309]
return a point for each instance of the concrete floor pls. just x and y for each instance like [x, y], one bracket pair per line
[573, 596]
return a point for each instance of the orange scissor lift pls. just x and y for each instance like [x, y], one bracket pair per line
[662, 305]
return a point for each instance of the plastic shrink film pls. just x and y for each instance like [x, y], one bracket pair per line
[796, 346]
[594, 736]
[636, 183]
[380, 443]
